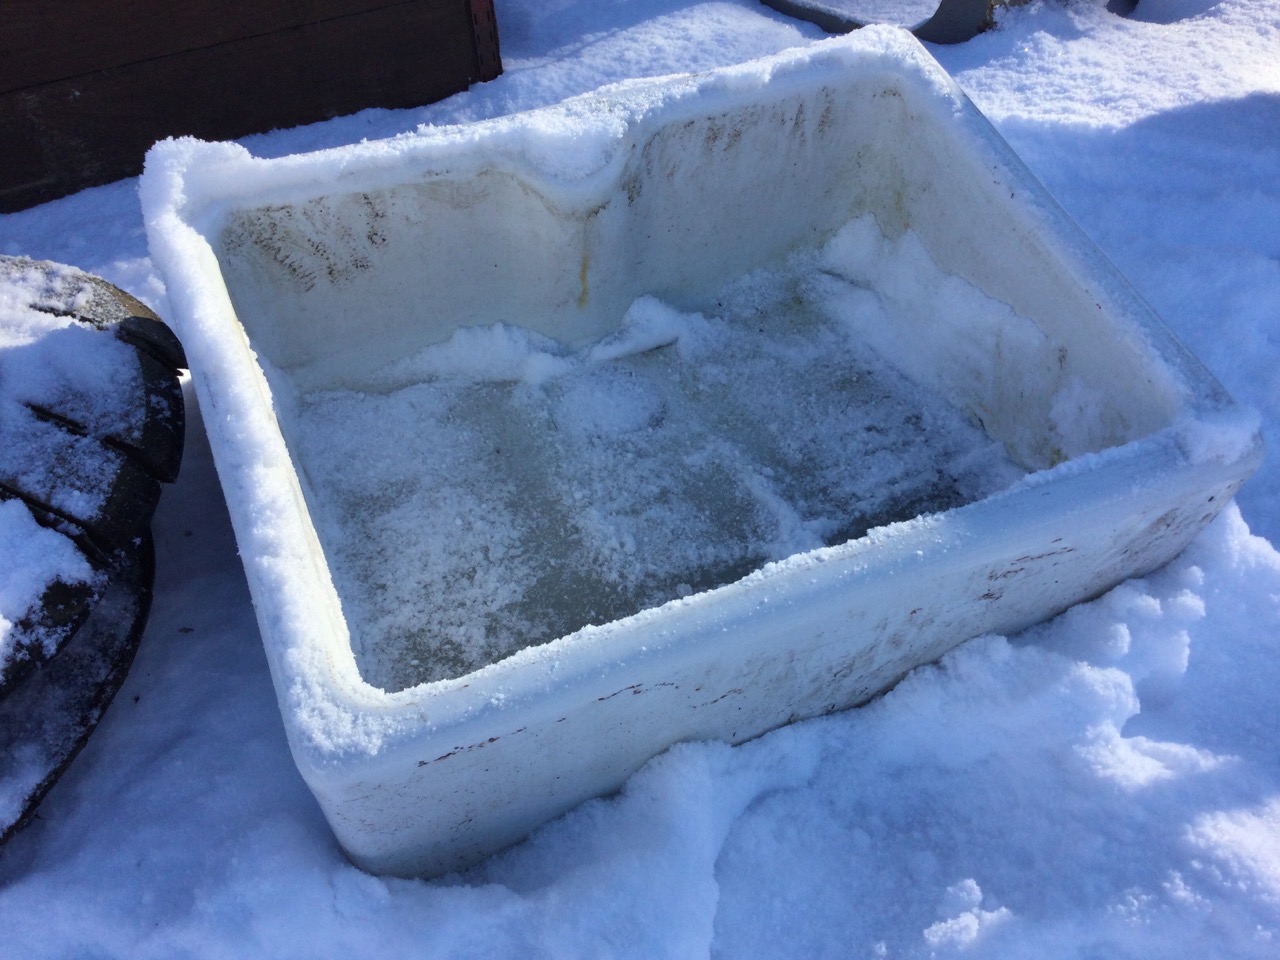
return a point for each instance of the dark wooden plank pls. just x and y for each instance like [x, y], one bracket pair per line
[46, 40]
[59, 137]
[484, 24]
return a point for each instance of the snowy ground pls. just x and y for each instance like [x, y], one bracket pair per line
[1107, 784]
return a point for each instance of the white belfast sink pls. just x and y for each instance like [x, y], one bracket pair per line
[678, 411]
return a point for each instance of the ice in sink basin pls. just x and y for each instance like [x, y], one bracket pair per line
[497, 490]
[677, 411]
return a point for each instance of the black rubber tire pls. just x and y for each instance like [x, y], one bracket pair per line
[72, 650]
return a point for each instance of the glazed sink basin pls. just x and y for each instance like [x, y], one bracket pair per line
[678, 411]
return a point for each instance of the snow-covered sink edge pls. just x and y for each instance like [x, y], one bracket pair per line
[432, 778]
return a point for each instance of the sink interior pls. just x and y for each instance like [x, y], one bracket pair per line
[499, 489]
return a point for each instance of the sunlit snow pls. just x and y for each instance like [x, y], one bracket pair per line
[1104, 784]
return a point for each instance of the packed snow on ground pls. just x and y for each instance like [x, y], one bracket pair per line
[1106, 784]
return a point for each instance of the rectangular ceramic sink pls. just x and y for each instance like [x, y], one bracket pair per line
[678, 411]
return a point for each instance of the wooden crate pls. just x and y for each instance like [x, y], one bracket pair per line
[86, 86]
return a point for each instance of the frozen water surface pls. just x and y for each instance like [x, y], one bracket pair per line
[498, 491]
